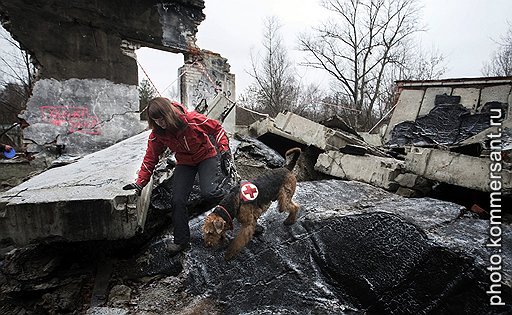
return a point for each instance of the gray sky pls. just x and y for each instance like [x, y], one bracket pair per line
[462, 30]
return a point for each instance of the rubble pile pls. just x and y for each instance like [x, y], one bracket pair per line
[358, 244]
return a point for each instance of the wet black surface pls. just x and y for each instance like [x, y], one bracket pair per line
[446, 124]
[353, 249]
[250, 148]
[47, 278]
[153, 259]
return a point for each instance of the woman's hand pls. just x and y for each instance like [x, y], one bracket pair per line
[226, 162]
[135, 186]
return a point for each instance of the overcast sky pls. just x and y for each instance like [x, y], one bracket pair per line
[464, 31]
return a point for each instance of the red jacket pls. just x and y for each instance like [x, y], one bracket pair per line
[191, 145]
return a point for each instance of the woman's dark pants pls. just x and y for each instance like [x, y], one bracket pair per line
[183, 182]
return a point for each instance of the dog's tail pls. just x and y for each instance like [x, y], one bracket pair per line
[292, 156]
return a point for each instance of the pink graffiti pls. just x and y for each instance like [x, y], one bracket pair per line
[77, 119]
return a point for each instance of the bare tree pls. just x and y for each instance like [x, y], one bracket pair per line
[16, 65]
[309, 102]
[146, 93]
[501, 60]
[17, 74]
[420, 64]
[359, 45]
[275, 88]
[415, 64]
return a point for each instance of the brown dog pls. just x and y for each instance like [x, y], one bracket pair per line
[247, 203]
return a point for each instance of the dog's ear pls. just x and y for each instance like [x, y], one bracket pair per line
[206, 224]
[206, 228]
[219, 226]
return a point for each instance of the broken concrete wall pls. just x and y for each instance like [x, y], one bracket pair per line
[417, 98]
[246, 117]
[378, 171]
[84, 52]
[453, 168]
[207, 86]
[304, 131]
[80, 116]
[222, 109]
[455, 115]
[84, 39]
[86, 99]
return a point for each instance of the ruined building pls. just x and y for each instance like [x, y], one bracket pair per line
[85, 99]
[71, 239]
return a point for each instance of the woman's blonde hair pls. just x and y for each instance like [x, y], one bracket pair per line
[161, 107]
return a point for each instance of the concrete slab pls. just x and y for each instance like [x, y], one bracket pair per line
[497, 93]
[205, 78]
[293, 127]
[453, 168]
[80, 201]
[267, 126]
[468, 97]
[298, 127]
[222, 109]
[372, 138]
[407, 109]
[305, 131]
[378, 171]
[429, 98]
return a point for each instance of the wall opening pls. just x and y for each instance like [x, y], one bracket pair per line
[158, 75]
[17, 74]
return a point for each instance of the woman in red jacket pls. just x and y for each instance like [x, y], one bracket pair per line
[187, 135]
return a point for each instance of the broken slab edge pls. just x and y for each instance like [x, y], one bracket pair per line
[455, 169]
[122, 217]
[378, 171]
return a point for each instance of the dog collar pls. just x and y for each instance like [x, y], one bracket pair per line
[224, 214]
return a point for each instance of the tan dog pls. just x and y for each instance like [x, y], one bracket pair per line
[248, 202]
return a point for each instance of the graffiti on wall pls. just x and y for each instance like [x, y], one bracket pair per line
[205, 90]
[76, 118]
